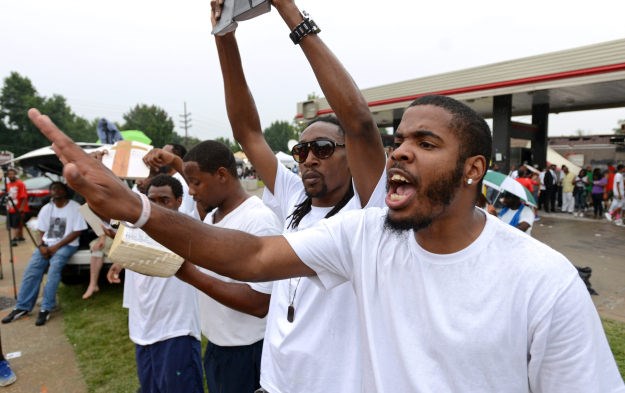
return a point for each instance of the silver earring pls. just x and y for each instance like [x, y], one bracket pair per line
[469, 181]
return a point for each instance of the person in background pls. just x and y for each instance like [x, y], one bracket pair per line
[515, 213]
[598, 187]
[559, 178]
[99, 249]
[579, 192]
[618, 191]
[589, 184]
[17, 206]
[608, 194]
[59, 224]
[568, 185]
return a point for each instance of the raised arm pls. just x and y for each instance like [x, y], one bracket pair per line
[365, 153]
[217, 249]
[242, 111]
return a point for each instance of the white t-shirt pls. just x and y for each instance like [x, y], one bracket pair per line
[58, 223]
[223, 325]
[505, 314]
[159, 308]
[188, 204]
[527, 215]
[618, 185]
[319, 351]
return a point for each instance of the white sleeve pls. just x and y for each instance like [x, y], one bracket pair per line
[568, 348]
[327, 247]
[43, 219]
[378, 197]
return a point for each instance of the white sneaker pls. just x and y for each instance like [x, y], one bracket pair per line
[608, 216]
[619, 223]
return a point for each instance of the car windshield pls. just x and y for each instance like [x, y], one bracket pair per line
[37, 182]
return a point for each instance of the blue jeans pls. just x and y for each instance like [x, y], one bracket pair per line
[580, 199]
[33, 275]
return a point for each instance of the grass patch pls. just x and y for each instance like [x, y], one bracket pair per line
[98, 330]
[616, 337]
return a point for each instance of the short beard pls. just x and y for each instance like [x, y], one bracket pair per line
[440, 193]
[320, 194]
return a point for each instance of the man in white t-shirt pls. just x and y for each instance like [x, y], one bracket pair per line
[163, 317]
[59, 224]
[313, 341]
[516, 213]
[232, 313]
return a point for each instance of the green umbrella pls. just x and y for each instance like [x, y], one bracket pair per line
[135, 135]
[501, 183]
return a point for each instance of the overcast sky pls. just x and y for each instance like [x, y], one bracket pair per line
[105, 57]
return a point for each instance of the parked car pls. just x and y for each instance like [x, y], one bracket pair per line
[38, 189]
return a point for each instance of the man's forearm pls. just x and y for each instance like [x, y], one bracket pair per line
[237, 296]
[220, 250]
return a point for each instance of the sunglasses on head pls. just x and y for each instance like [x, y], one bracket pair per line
[322, 149]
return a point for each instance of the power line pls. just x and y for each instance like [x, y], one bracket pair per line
[185, 119]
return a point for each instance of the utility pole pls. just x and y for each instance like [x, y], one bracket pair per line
[185, 120]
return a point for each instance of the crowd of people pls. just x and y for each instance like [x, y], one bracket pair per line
[592, 192]
[360, 273]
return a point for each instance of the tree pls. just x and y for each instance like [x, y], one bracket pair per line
[232, 145]
[153, 121]
[189, 143]
[278, 134]
[76, 127]
[19, 134]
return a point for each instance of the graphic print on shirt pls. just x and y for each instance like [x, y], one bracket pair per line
[57, 227]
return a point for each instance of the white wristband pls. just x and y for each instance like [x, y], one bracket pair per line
[146, 209]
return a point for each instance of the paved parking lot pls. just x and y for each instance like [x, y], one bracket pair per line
[594, 243]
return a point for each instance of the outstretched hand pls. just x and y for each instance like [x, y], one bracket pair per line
[105, 193]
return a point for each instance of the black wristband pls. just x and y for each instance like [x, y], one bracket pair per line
[306, 27]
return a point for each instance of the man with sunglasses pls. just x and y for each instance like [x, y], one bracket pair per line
[312, 340]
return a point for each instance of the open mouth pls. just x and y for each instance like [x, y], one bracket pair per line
[400, 189]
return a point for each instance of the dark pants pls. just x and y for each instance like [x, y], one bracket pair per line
[597, 204]
[548, 199]
[170, 366]
[233, 369]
